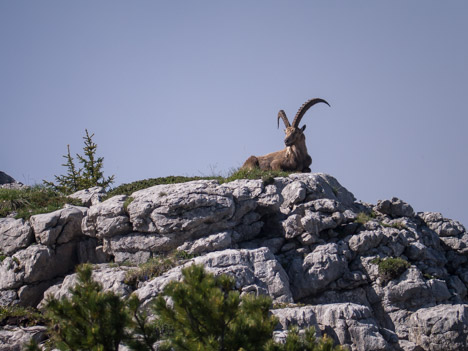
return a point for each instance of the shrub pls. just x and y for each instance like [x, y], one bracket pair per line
[21, 316]
[363, 218]
[90, 320]
[207, 313]
[391, 268]
[304, 342]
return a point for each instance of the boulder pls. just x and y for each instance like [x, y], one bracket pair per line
[347, 323]
[316, 271]
[15, 234]
[107, 219]
[442, 226]
[194, 207]
[89, 197]
[5, 178]
[394, 208]
[16, 338]
[58, 227]
[255, 271]
[442, 327]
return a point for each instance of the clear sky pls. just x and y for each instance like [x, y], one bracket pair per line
[194, 88]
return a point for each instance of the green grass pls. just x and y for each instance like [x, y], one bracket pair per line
[156, 266]
[130, 188]
[21, 316]
[34, 200]
[391, 268]
[363, 217]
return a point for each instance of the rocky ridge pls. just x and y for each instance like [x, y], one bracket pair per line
[304, 240]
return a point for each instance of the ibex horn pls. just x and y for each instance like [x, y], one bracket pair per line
[304, 109]
[282, 115]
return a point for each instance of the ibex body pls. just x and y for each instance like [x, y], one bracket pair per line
[294, 157]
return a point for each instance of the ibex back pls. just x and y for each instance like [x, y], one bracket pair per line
[294, 157]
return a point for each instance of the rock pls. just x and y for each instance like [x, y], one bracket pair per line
[403, 290]
[15, 234]
[316, 271]
[442, 327]
[215, 242]
[15, 338]
[8, 297]
[194, 207]
[89, 197]
[442, 226]
[107, 219]
[5, 178]
[58, 227]
[293, 193]
[34, 265]
[255, 271]
[347, 323]
[394, 208]
[110, 278]
[365, 241]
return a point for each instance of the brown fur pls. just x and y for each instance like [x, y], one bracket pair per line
[294, 157]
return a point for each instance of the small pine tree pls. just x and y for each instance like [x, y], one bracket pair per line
[92, 167]
[207, 313]
[69, 182]
[89, 175]
[304, 342]
[90, 320]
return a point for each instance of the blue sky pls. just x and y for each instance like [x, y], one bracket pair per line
[194, 87]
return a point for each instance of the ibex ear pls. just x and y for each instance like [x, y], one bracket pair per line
[303, 127]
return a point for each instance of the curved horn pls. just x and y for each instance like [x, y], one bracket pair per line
[303, 110]
[282, 115]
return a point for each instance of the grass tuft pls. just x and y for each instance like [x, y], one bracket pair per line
[130, 188]
[31, 201]
[156, 266]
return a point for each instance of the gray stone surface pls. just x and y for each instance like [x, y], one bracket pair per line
[300, 239]
[58, 227]
[89, 197]
[15, 234]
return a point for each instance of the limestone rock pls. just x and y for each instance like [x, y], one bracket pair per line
[197, 206]
[58, 227]
[107, 219]
[15, 234]
[91, 196]
[442, 226]
[442, 327]
[5, 178]
[316, 271]
[349, 324]
[15, 338]
[111, 279]
[255, 271]
[394, 208]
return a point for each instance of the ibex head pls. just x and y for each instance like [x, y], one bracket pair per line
[295, 134]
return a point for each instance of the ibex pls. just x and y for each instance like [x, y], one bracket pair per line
[294, 157]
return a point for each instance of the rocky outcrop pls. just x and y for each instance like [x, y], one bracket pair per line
[5, 178]
[326, 259]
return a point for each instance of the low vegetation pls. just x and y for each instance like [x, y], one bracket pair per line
[127, 189]
[205, 313]
[390, 267]
[20, 316]
[156, 266]
[30, 201]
